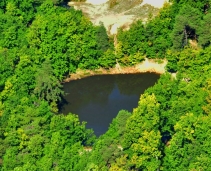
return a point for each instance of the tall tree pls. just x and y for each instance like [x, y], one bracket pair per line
[142, 140]
[186, 26]
[47, 86]
[102, 38]
[205, 31]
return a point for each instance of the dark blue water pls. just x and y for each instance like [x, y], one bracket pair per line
[98, 99]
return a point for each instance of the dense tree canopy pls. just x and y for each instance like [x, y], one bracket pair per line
[41, 43]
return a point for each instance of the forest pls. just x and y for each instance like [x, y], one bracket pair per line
[42, 42]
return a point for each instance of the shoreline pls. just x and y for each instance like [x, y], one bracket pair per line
[148, 65]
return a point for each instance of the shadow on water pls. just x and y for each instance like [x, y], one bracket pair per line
[63, 102]
[98, 99]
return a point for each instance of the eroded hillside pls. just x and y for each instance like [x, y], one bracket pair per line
[121, 13]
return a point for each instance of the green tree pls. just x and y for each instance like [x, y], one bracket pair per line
[7, 60]
[132, 40]
[108, 59]
[186, 26]
[47, 86]
[189, 147]
[102, 38]
[142, 140]
[158, 31]
[109, 146]
[205, 31]
[69, 42]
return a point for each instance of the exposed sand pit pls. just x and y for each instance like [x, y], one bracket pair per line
[99, 11]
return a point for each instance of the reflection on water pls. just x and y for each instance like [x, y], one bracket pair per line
[98, 99]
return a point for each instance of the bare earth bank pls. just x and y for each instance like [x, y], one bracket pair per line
[146, 66]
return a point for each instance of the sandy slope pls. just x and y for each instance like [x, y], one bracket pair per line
[96, 2]
[98, 11]
[155, 3]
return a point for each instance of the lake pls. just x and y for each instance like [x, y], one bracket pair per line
[98, 99]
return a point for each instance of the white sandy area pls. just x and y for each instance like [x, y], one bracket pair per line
[155, 3]
[115, 21]
[97, 10]
[96, 2]
[151, 66]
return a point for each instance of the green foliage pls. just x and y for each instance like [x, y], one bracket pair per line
[108, 59]
[169, 129]
[47, 146]
[189, 146]
[7, 60]
[47, 87]
[207, 107]
[142, 139]
[152, 39]
[12, 31]
[102, 38]
[132, 40]
[203, 5]
[186, 92]
[109, 146]
[205, 31]
[34, 55]
[66, 45]
[186, 26]
[158, 32]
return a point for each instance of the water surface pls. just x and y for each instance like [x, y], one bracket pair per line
[97, 99]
